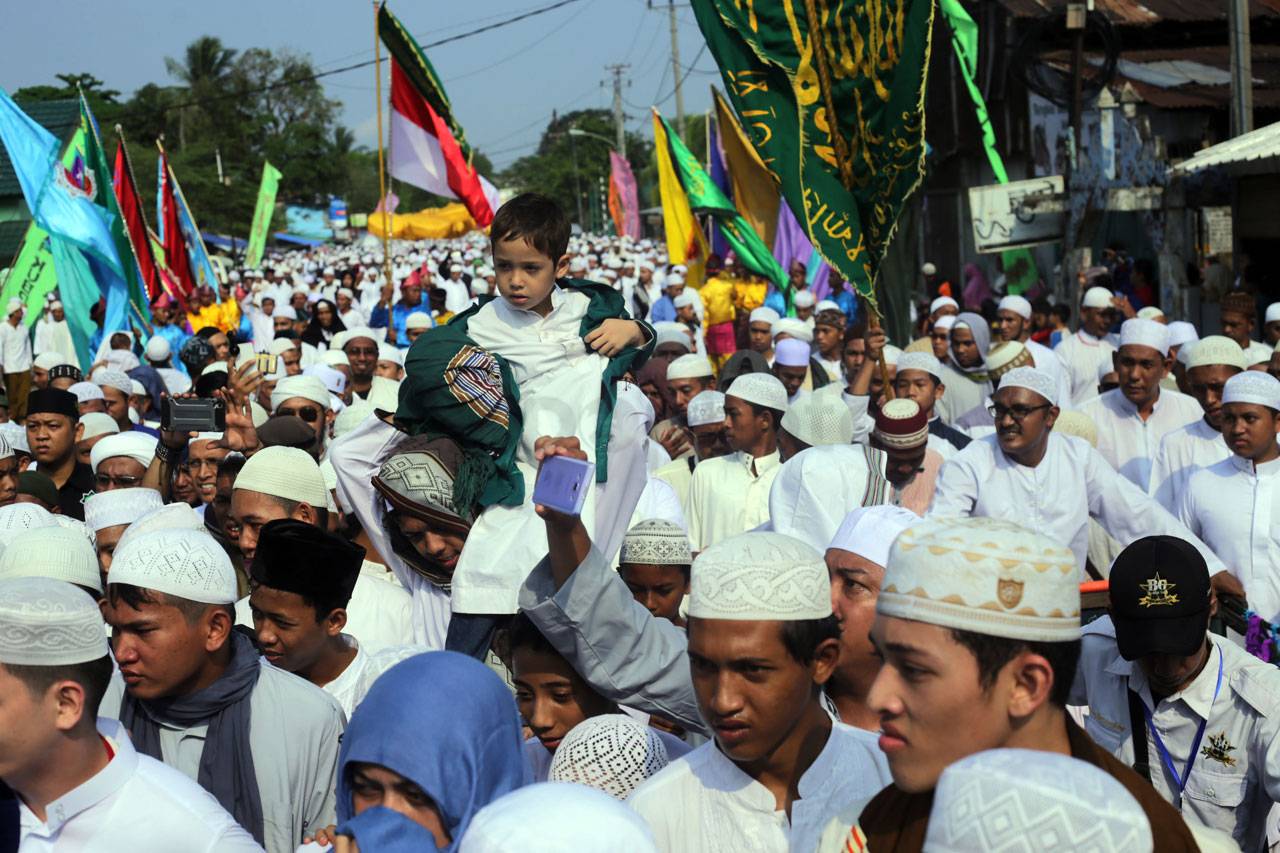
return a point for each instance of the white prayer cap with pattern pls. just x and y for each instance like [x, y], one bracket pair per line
[1028, 800]
[656, 542]
[1252, 386]
[763, 314]
[819, 419]
[763, 389]
[791, 352]
[119, 506]
[609, 752]
[943, 302]
[81, 529]
[1097, 297]
[1017, 304]
[551, 817]
[869, 531]
[86, 391]
[984, 575]
[797, 329]
[138, 446]
[118, 379]
[188, 564]
[96, 424]
[16, 437]
[175, 516]
[47, 622]
[1007, 356]
[306, 387]
[389, 352]
[1214, 349]
[284, 472]
[706, 407]
[762, 576]
[921, 361]
[804, 299]
[1181, 332]
[52, 552]
[1145, 333]
[17, 517]
[1033, 379]
[690, 366]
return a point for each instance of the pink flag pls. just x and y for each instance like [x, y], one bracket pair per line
[624, 203]
[388, 204]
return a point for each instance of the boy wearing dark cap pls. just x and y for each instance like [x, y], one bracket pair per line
[53, 428]
[1207, 710]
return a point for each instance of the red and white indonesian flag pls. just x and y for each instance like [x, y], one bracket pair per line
[425, 154]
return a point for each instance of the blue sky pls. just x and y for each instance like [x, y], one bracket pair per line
[503, 83]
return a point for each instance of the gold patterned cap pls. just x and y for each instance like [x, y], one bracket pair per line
[983, 575]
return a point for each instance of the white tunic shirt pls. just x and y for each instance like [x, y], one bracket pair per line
[704, 802]
[1257, 353]
[1236, 511]
[1127, 441]
[1236, 774]
[54, 336]
[15, 347]
[1082, 354]
[1182, 453]
[133, 805]
[729, 495]
[962, 395]
[1072, 484]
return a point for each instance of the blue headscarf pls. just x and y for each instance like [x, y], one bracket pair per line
[445, 722]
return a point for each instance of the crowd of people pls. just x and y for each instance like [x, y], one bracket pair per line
[823, 593]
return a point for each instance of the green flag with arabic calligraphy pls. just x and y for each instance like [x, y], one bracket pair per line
[838, 119]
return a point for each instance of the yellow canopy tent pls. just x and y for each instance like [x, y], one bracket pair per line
[434, 223]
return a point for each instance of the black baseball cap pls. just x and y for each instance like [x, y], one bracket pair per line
[1160, 596]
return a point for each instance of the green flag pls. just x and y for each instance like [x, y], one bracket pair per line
[262, 213]
[32, 275]
[838, 119]
[706, 197]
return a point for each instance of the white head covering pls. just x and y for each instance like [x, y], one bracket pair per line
[1035, 802]
[51, 359]
[16, 436]
[946, 321]
[86, 391]
[306, 387]
[176, 516]
[1252, 386]
[804, 299]
[107, 378]
[766, 576]
[47, 622]
[1149, 312]
[1033, 379]
[706, 407]
[188, 564]
[390, 352]
[1017, 304]
[683, 300]
[1181, 332]
[921, 361]
[869, 531]
[1145, 333]
[671, 333]
[418, 320]
[285, 472]
[551, 817]
[819, 419]
[119, 506]
[18, 517]
[797, 329]
[763, 314]
[763, 389]
[942, 302]
[791, 352]
[927, 268]
[138, 446]
[984, 575]
[1097, 297]
[611, 753]
[279, 346]
[1214, 349]
[656, 542]
[52, 552]
[815, 489]
[332, 357]
[98, 423]
[690, 366]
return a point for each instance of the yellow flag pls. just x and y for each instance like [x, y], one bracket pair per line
[686, 244]
[755, 193]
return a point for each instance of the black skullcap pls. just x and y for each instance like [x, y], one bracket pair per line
[65, 371]
[298, 557]
[53, 401]
[39, 486]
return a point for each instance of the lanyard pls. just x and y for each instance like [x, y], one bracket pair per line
[1181, 781]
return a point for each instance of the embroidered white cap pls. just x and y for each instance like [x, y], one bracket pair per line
[1214, 349]
[609, 752]
[760, 576]
[1033, 379]
[119, 506]
[656, 542]
[52, 552]
[47, 622]
[1145, 333]
[819, 419]
[763, 389]
[706, 407]
[189, 564]
[1252, 386]
[690, 366]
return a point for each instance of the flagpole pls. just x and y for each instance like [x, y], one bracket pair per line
[177, 189]
[142, 212]
[382, 168]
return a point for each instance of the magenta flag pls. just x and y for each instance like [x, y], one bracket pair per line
[624, 202]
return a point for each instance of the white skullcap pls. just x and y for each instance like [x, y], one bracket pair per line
[46, 622]
[551, 817]
[766, 576]
[188, 564]
[138, 446]
[306, 387]
[891, 355]
[16, 435]
[1033, 379]
[375, 335]
[869, 531]
[797, 329]
[690, 366]
[1072, 422]
[1145, 333]
[390, 352]
[1214, 349]
[984, 575]
[347, 292]
[332, 357]
[671, 333]
[791, 352]
[943, 302]
[105, 378]
[1273, 313]
[158, 349]
[418, 320]
[684, 300]
[6, 449]
[205, 436]
[706, 407]
[351, 417]
[1017, 304]
[50, 360]
[946, 321]
[674, 279]
[333, 380]
[828, 305]
[1252, 386]
[611, 752]
[819, 419]
[1097, 297]
[1029, 800]
[280, 346]
[214, 367]
[1150, 312]
[176, 516]
[18, 517]
[763, 315]
[285, 311]
[119, 506]
[656, 542]
[86, 391]
[921, 361]
[928, 269]
[763, 389]
[137, 389]
[284, 472]
[815, 489]
[1181, 332]
[75, 525]
[804, 299]
[52, 552]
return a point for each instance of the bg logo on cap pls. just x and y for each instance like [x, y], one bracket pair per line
[1159, 592]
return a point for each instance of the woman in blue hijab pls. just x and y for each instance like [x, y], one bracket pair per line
[436, 739]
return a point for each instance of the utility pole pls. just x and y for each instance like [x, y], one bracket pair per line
[619, 120]
[675, 67]
[1241, 67]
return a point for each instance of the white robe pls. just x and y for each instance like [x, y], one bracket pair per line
[726, 498]
[1128, 442]
[1182, 453]
[1081, 355]
[55, 336]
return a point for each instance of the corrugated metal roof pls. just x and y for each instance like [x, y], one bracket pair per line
[58, 117]
[1134, 13]
[1252, 153]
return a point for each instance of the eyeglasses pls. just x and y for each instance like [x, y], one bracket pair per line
[106, 480]
[307, 413]
[360, 351]
[1018, 413]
